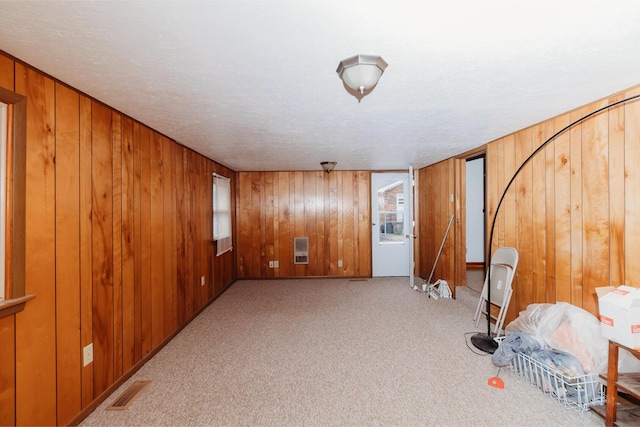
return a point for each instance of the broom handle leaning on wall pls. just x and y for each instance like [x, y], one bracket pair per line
[446, 233]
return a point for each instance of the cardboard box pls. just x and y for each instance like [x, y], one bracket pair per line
[620, 314]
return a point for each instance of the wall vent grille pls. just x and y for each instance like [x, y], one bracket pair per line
[301, 250]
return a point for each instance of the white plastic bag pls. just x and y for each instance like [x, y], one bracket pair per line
[566, 327]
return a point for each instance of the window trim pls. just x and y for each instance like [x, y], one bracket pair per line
[14, 286]
[224, 243]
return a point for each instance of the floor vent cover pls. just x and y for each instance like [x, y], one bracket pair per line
[129, 395]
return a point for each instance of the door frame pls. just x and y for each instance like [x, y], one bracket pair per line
[408, 218]
[460, 240]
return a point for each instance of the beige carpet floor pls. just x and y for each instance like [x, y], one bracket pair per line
[332, 352]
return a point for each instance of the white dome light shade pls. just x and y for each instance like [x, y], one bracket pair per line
[360, 74]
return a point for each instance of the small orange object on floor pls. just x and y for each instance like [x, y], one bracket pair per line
[496, 382]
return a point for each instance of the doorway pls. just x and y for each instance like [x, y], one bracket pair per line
[475, 221]
[391, 218]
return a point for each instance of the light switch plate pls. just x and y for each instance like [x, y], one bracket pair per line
[87, 354]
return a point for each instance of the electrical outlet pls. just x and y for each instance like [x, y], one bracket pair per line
[87, 354]
[270, 264]
[276, 264]
[339, 263]
[202, 281]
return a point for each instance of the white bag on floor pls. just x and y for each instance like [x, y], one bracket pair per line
[440, 289]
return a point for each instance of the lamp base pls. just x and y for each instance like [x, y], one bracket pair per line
[484, 342]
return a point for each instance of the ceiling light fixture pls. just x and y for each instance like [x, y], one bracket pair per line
[360, 74]
[328, 166]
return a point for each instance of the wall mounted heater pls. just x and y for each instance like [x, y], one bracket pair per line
[301, 250]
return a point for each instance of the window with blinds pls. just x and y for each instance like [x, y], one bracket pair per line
[222, 214]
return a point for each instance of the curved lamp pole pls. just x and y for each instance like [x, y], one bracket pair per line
[485, 342]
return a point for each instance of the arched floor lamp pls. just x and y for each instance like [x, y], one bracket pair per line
[485, 342]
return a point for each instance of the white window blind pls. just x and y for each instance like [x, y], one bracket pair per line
[222, 213]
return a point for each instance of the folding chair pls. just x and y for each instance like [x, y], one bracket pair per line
[503, 268]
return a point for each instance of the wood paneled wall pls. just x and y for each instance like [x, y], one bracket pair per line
[435, 204]
[117, 238]
[333, 210]
[573, 211]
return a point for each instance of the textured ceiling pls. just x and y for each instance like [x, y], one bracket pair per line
[252, 84]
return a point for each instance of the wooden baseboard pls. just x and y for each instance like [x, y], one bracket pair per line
[475, 265]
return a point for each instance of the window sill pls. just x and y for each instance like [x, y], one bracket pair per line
[13, 305]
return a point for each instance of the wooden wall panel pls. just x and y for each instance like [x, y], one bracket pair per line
[157, 239]
[6, 72]
[437, 186]
[118, 315]
[145, 239]
[203, 237]
[347, 225]
[285, 243]
[321, 236]
[326, 225]
[595, 212]
[8, 372]
[106, 234]
[127, 249]
[509, 217]
[333, 210]
[102, 247]
[524, 202]
[258, 267]
[573, 213]
[86, 261]
[37, 320]
[7, 324]
[191, 232]
[176, 166]
[549, 219]
[207, 234]
[298, 227]
[562, 226]
[181, 233]
[205, 189]
[459, 226]
[245, 251]
[168, 210]
[363, 262]
[267, 239]
[631, 188]
[334, 214]
[310, 221]
[188, 238]
[616, 192]
[67, 218]
[35, 326]
[575, 138]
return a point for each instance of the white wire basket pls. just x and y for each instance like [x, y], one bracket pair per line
[577, 392]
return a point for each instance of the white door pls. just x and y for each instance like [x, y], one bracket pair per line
[391, 219]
